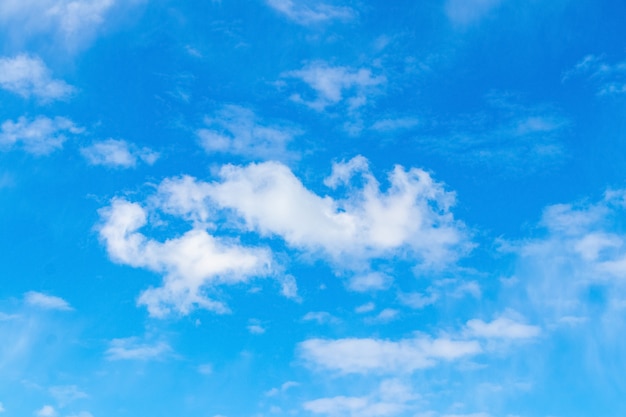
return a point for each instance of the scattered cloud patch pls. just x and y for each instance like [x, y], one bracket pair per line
[502, 328]
[365, 308]
[283, 388]
[320, 317]
[393, 125]
[135, 349]
[334, 85]
[610, 78]
[238, 131]
[307, 13]
[39, 136]
[67, 394]
[417, 300]
[373, 281]
[367, 355]
[255, 327]
[117, 154]
[28, 77]
[47, 302]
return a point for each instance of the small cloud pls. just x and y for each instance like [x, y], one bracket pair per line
[284, 387]
[385, 316]
[308, 13]
[39, 136]
[29, 77]
[610, 78]
[133, 348]
[465, 12]
[67, 394]
[47, 302]
[417, 300]
[205, 369]
[82, 414]
[46, 411]
[502, 328]
[320, 317]
[118, 154]
[256, 329]
[365, 308]
[289, 287]
[2, 409]
[374, 281]
[8, 317]
[389, 125]
[335, 85]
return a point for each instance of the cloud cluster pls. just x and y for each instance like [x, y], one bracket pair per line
[28, 76]
[610, 78]
[410, 219]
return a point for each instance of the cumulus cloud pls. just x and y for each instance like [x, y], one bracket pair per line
[311, 12]
[610, 78]
[133, 348]
[464, 12]
[118, 154]
[336, 84]
[363, 356]
[39, 136]
[45, 301]
[412, 217]
[238, 131]
[191, 263]
[28, 77]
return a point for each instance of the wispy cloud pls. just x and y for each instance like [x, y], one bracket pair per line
[306, 12]
[46, 411]
[506, 134]
[334, 85]
[239, 131]
[464, 12]
[39, 136]
[118, 154]
[134, 348]
[45, 301]
[610, 78]
[28, 77]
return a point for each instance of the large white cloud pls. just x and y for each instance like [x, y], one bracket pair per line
[28, 76]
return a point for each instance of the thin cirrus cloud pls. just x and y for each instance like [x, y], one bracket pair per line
[39, 136]
[609, 78]
[465, 12]
[28, 76]
[311, 12]
[46, 302]
[334, 85]
[237, 130]
[71, 23]
[118, 154]
[134, 348]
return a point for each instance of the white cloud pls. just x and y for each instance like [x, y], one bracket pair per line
[29, 77]
[67, 394]
[464, 12]
[391, 398]
[418, 300]
[39, 136]
[283, 388]
[411, 217]
[320, 317]
[46, 411]
[48, 302]
[610, 78]
[238, 131]
[289, 287]
[255, 327]
[190, 263]
[502, 328]
[385, 316]
[336, 84]
[310, 12]
[133, 348]
[365, 308]
[72, 23]
[373, 281]
[118, 154]
[362, 356]
[2, 409]
[392, 125]
[205, 369]
[82, 414]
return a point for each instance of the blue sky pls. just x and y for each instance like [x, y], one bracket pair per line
[312, 208]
